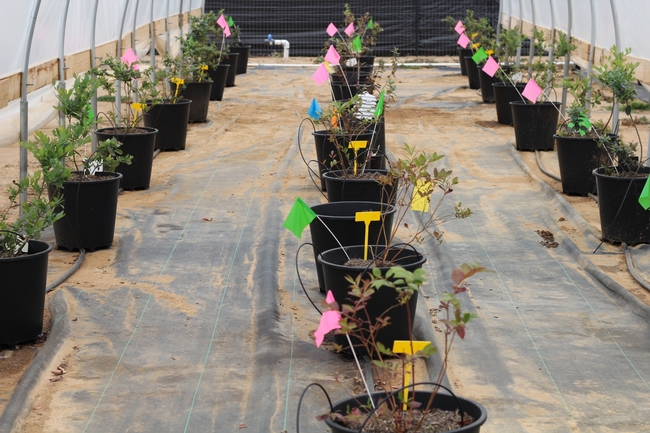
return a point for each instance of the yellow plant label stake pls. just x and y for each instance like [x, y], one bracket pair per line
[404, 346]
[367, 218]
[179, 82]
[137, 106]
[421, 195]
[356, 145]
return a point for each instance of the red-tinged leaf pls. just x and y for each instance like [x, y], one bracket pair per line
[415, 404]
[207, 219]
[323, 417]
[457, 276]
[460, 330]
[356, 411]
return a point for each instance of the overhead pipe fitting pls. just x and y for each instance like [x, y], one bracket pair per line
[269, 40]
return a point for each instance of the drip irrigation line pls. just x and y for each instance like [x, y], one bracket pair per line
[68, 273]
[300, 279]
[541, 167]
[632, 269]
[311, 172]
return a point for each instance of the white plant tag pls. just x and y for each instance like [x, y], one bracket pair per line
[351, 62]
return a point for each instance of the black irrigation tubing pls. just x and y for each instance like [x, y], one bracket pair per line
[303, 395]
[300, 279]
[541, 167]
[311, 172]
[632, 269]
[68, 273]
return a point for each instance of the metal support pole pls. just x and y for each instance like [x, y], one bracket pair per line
[152, 47]
[567, 57]
[180, 20]
[532, 40]
[118, 86]
[62, 68]
[169, 42]
[417, 28]
[24, 104]
[592, 51]
[617, 36]
[550, 50]
[135, 24]
[521, 14]
[498, 35]
[93, 64]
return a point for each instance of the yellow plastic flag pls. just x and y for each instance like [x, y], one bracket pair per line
[367, 217]
[329, 67]
[421, 195]
[137, 106]
[408, 347]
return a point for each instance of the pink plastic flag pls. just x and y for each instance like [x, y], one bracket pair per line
[129, 58]
[332, 56]
[321, 75]
[331, 29]
[329, 321]
[460, 29]
[222, 22]
[226, 31]
[463, 40]
[531, 91]
[349, 29]
[491, 67]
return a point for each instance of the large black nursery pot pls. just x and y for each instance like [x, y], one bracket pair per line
[504, 94]
[462, 53]
[199, 93]
[535, 124]
[244, 53]
[22, 294]
[327, 144]
[485, 81]
[622, 218]
[90, 212]
[472, 73]
[140, 145]
[402, 316]
[171, 122]
[441, 401]
[348, 82]
[364, 187]
[578, 157]
[337, 221]
[218, 77]
[231, 59]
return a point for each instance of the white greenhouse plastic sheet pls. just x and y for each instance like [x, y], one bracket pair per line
[632, 20]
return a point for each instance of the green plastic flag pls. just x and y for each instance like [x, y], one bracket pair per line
[356, 44]
[479, 56]
[371, 24]
[379, 110]
[644, 198]
[90, 115]
[231, 22]
[299, 217]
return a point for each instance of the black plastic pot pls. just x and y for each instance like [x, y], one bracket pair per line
[326, 144]
[199, 93]
[231, 59]
[90, 211]
[171, 122]
[622, 219]
[535, 124]
[442, 401]
[218, 77]
[402, 317]
[22, 294]
[485, 81]
[462, 53]
[365, 64]
[354, 188]
[140, 145]
[504, 94]
[472, 73]
[244, 53]
[578, 157]
[337, 221]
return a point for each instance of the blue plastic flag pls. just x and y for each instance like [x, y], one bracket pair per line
[314, 111]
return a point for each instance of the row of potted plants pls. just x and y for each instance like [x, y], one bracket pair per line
[364, 243]
[593, 156]
[76, 188]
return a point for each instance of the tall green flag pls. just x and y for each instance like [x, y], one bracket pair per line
[479, 56]
[371, 24]
[379, 110]
[644, 198]
[299, 217]
[231, 22]
[356, 44]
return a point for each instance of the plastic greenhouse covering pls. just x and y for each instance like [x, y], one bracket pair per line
[608, 22]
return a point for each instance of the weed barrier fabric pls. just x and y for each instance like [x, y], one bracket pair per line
[195, 320]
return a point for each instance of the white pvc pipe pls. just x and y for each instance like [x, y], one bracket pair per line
[24, 104]
[64, 18]
[285, 44]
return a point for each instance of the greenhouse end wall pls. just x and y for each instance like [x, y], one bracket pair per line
[415, 27]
